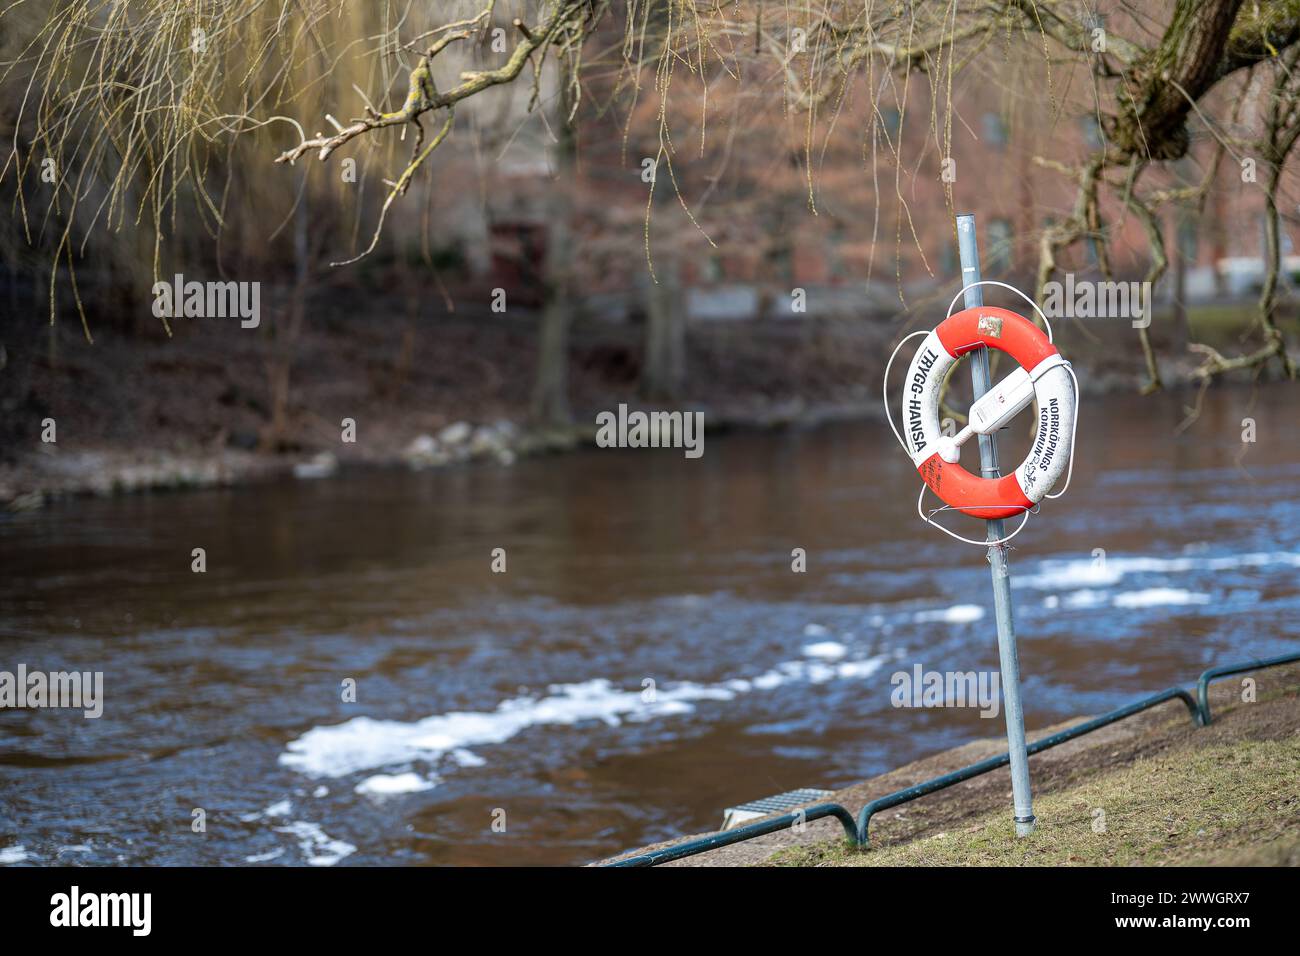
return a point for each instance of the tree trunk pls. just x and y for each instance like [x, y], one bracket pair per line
[550, 404]
[1182, 248]
[1161, 86]
[664, 372]
[1220, 248]
[280, 366]
[551, 389]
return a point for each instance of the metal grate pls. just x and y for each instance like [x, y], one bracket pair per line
[781, 803]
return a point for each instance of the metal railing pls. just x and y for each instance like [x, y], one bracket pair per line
[1199, 708]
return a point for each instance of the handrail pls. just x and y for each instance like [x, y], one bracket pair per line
[740, 834]
[993, 763]
[1199, 709]
[1203, 685]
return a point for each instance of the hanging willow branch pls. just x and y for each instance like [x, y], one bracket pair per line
[134, 110]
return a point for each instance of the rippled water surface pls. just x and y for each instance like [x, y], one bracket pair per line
[647, 659]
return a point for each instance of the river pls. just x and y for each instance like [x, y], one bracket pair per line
[647, 658]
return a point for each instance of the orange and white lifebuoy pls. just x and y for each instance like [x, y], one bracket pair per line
[936, 456]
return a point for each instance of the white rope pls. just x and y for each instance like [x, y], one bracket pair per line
[884, 388]
[953, 534]
[1041, 314]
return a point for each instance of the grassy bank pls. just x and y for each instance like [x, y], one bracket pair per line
[1151, 790]
[1171, 794]
[1225, 803]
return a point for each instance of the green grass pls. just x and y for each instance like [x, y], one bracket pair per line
[1224, 802]
[1225, 324]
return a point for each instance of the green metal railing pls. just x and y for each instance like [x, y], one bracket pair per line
[1227, 670]
[1199, 708]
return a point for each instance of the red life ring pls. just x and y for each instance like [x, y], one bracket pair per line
[1049, 455]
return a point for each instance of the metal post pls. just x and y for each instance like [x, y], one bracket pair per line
[979, 367]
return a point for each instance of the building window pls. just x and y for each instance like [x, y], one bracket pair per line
[892, 120]
[995, 130]
[1188, 236]
[999, 258]
[949, 263]
[1092, 134]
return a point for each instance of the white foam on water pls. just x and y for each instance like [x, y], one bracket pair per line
[264, 857]
[819, 673]
[827, 650]
[1152, 597]
[815, 630]
[669, 708]
[1086, 598]
[957, 614]
[387, 784]
[1149, 597]
[365, 743]
[1077, 599]
[13, 854]
[467, 758]
[1053, 574]
[856, 670]
[316, 845]
[280, 808]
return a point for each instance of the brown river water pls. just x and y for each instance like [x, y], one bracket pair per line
[647, 659]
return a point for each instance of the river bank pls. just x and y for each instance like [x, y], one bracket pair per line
[50, 473]
[211, 405]
[1151, 790]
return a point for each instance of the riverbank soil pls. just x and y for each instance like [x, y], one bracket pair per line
[139, 409]
[213, 403]
[1150, 790]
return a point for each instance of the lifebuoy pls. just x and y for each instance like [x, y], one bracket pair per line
[935, 456]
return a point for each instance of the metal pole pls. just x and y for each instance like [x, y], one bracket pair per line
[979, 368]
